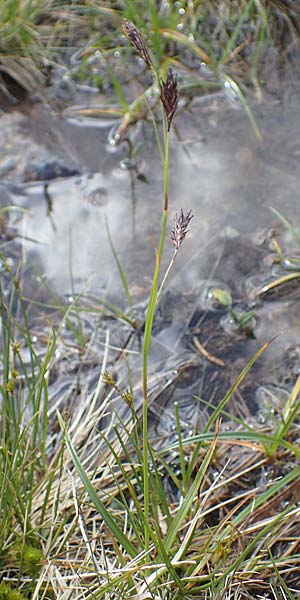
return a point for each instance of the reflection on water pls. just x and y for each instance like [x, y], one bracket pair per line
[229, 180]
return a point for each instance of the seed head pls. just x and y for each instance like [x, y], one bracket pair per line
[136, 38]
[169, 95]
[180, 230]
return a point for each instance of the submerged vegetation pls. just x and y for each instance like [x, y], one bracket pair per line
[94, 504]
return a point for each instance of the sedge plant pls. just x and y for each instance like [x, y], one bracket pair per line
[168, 90]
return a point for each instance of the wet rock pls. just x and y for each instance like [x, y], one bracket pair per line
[7, 165]
[64, 89]
[50, 169]
[23, 157]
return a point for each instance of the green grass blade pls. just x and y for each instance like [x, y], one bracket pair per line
[255, 503]
[235, 89]
[180, 38]
[181, 448]
[120, 269]
[189, 498]
[282, 583]
[277, 487]
[289, 414]
[106, 516]
[287, 224]
[236, 32]
[234, 387]
[231, 436]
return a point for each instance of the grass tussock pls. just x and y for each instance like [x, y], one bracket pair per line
[33, 33]
[21, 46]
[222, 519]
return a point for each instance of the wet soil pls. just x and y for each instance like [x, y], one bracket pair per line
[63, 183]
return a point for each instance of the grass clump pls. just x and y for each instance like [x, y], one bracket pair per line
[32, 32]
[227, 36]
[26, 477]
[21, 47]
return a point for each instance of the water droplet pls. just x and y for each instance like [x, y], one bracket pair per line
[180, 26]
[98, 54]
[112, 142]
[34, 339]
[261, 419]
[181, 11]
[177, 4]
[117, 54]
[229, 325]
[123, 165]
[208, 299]
[291, 264]
[227, 84]
[70, 299]
[191, 38]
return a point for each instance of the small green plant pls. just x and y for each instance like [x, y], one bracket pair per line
[243, 322]
[290, 264]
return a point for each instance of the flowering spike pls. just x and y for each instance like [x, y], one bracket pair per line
[136, 38]
[180, 230]
[169, 95]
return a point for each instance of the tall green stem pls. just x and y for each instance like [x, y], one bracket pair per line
[148, 330]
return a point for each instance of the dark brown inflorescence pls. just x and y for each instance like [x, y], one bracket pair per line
[169, 95]
[168, 88]
[180, 228]
[136, 38]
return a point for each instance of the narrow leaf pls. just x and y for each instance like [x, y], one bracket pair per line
[106, 516]
[235, 385]
[190, 497]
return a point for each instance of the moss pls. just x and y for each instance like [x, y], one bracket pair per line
[28, 558]
[7, 593]
[32, 560]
